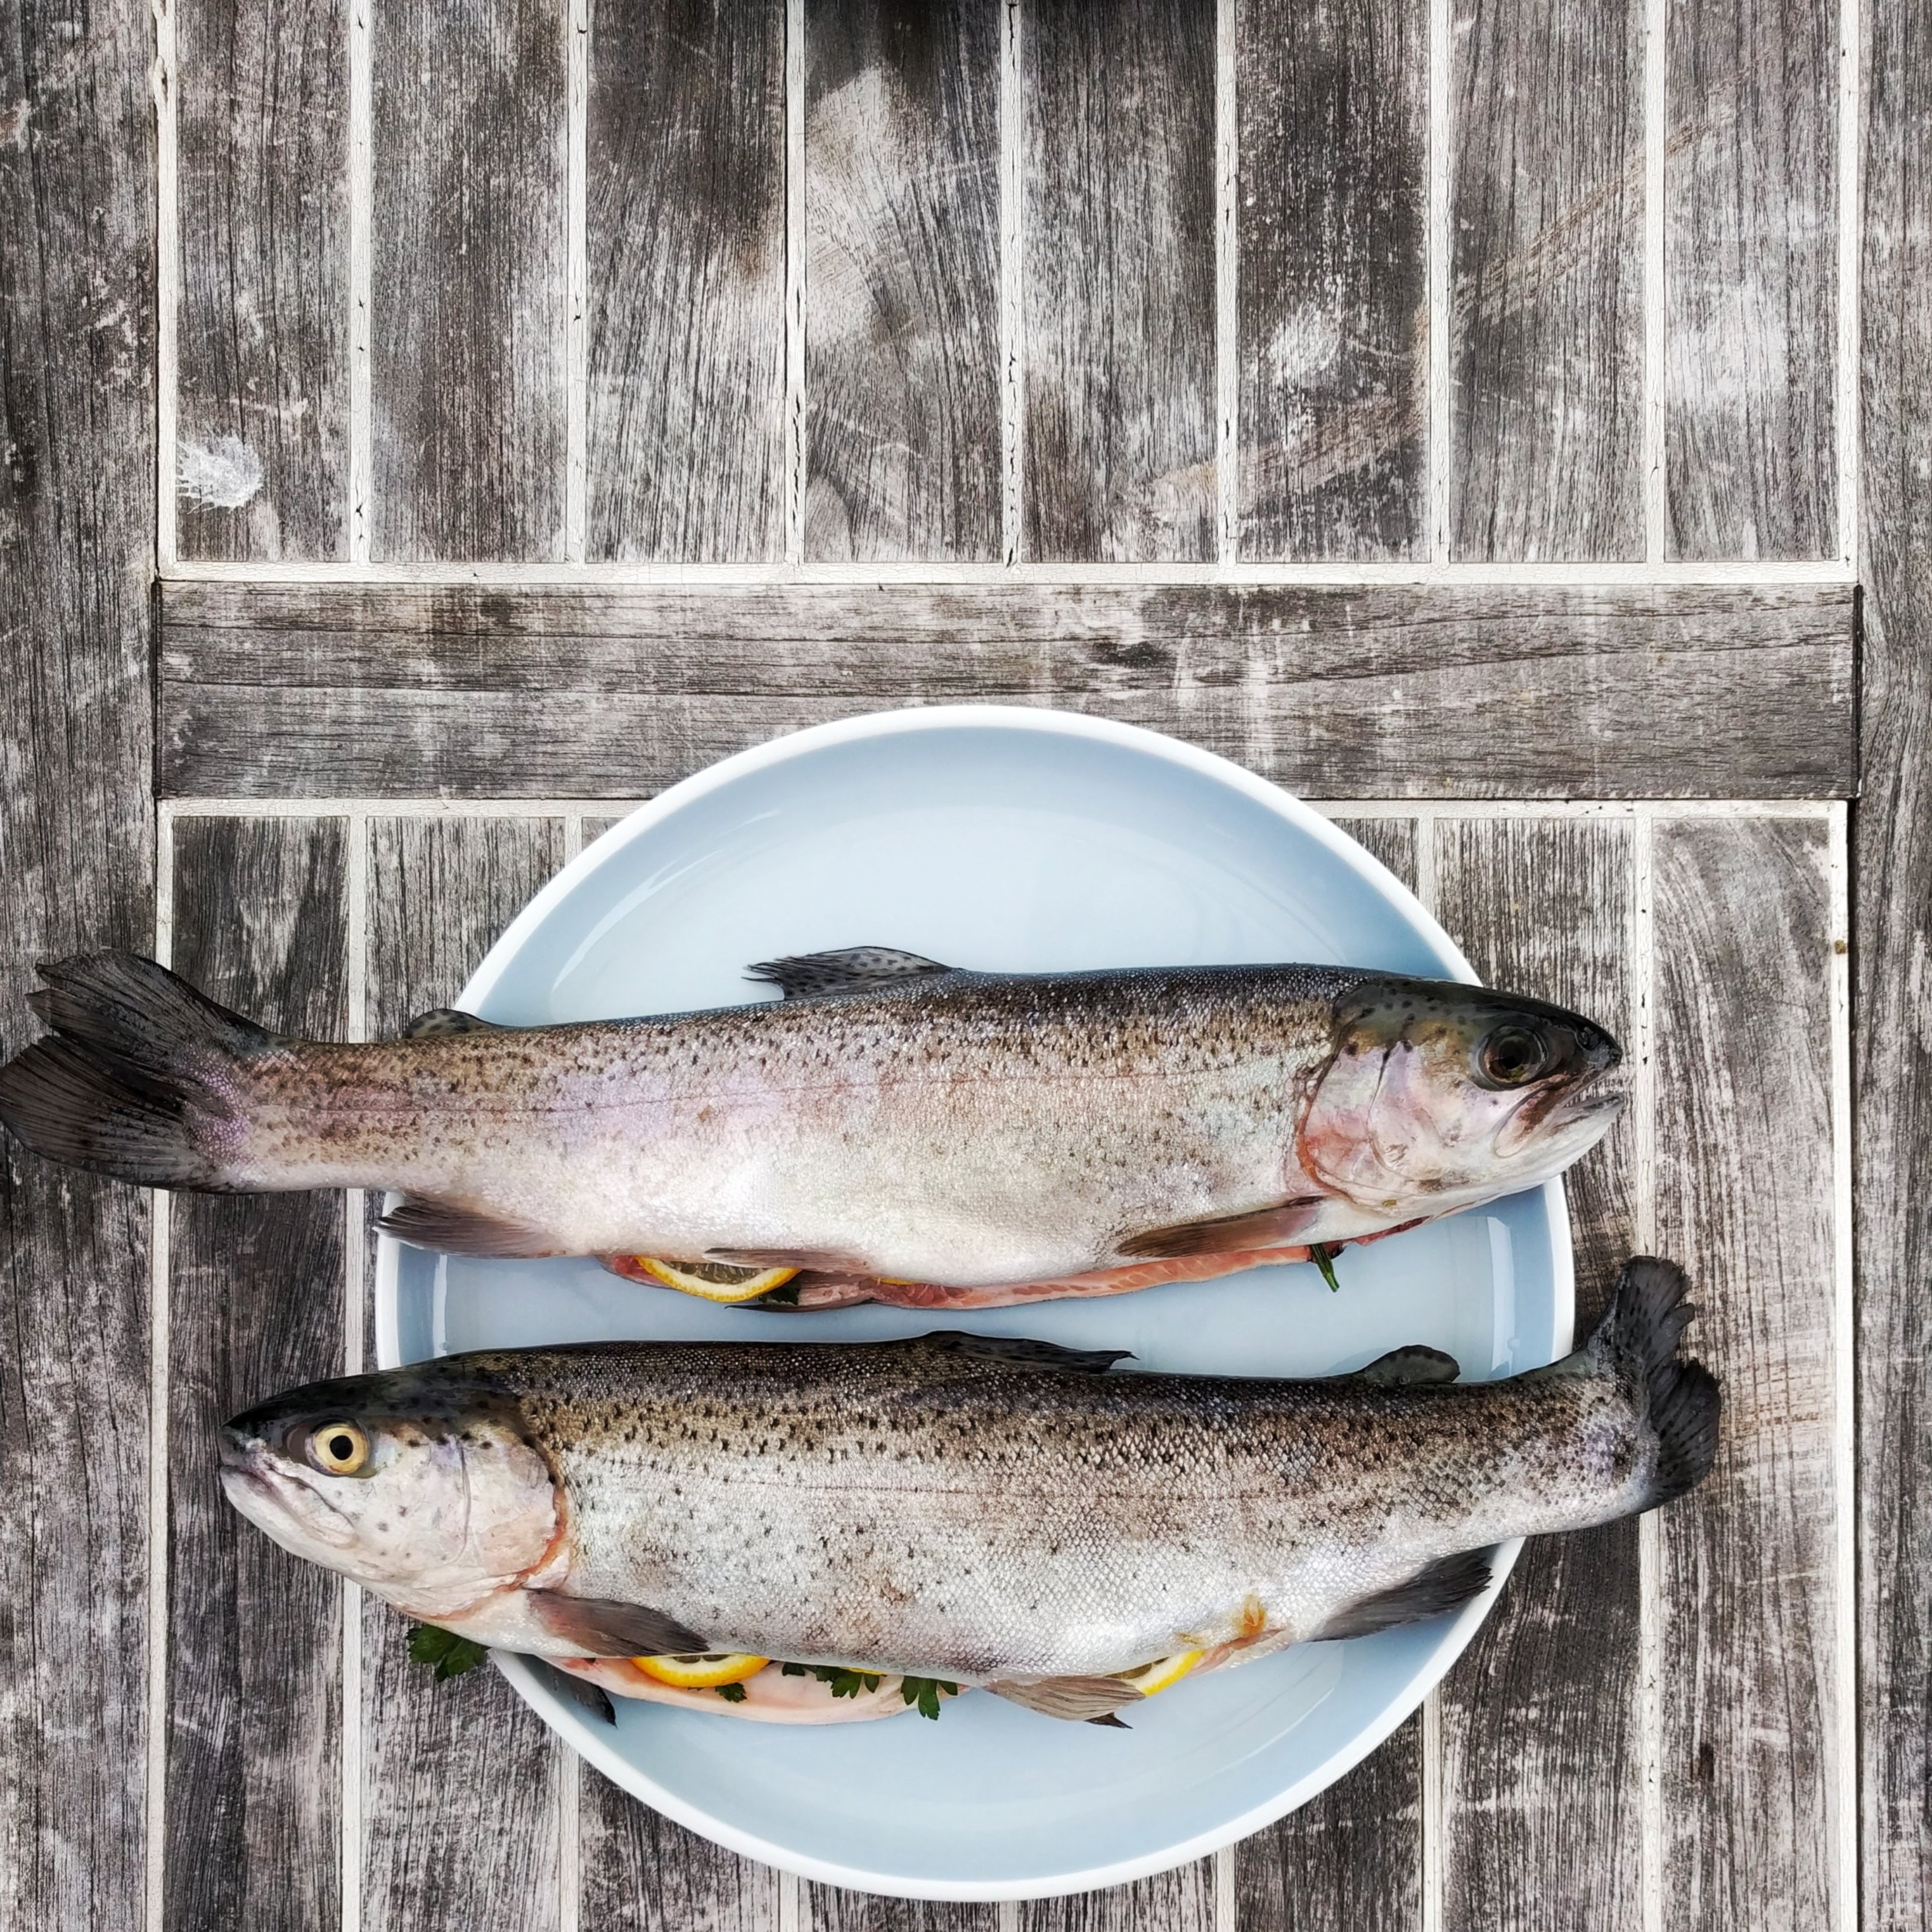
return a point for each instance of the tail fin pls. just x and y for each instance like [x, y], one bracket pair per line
[132, 1085]
[1637, 1341]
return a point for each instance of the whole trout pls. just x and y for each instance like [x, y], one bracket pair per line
[969, 1509]
[891, 1127]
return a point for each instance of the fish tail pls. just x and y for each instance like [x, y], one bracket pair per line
[138, 1080]
[1637, 1341]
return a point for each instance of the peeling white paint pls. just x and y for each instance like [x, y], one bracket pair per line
[220, 474]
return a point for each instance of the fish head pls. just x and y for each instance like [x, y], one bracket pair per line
[422, 1485]
[1439, 1096]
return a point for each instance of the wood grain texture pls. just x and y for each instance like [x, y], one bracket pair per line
[1748, 1592]
[76, 518]
[1545, 317]
[1541, 1757]
[1182, 1900]
[1386, 692]
[1119, 355]
[1750, 257]
[462, 1811]
[1352, 1856]
[826, 1908]
[902, 267]
[643, 1873]
[686, 236]
[1892, 868]
[263, 396]
[467, 278]
[254, 1665]
[1332, 105]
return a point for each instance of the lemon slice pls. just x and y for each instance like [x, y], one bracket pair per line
[716, 1281]
[702, 1672]
[1161, 1672]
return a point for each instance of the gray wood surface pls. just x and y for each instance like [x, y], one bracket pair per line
[262, 102]
[1749, 1610]
[1892, 855]
[1541, 1754]
[685, 247]
[254, 1654]
[902, 267]
[642, 1873]
[828, 1909]
[467, 280]
[1334, 209]
[1388, 692]
[1119, 355]
[1181, 1900]
[478, 1844]
[1546, 314]
[1352, 1855]
[77, 436]
[1750, 263]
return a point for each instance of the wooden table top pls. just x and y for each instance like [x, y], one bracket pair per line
[430, 430]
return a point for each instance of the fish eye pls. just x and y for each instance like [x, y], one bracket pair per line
[339, 1447]
[1512, 1056]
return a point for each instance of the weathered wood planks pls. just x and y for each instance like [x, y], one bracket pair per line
[1541, 1754]
[77, 436]
[466, 292]
[1750, 253]
[1750, 1613]
[1892, 854]
[1546, 280]
[902, 265]
[254, 1657]
[643, 1873]
[686, 242]
[462, 1817]
[1180, 1900]
[1332, 219]
[1120, 447]
[828, 1909]
[1386, 692]
[262, 386]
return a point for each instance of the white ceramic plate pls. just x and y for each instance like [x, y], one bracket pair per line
[1021, 841]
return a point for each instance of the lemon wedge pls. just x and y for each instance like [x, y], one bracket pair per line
[1161, 1672]
[705, 1672]
[716, 1281]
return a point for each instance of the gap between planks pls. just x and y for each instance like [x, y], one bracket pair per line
[361, 447]
[1013, 286]
[1827, 571]
[1656, 509]
[577, 278]
[1227, 290]
[162, 82]
[795, 268]
[1844, 1418]
[1440, 262]
[1851, 29]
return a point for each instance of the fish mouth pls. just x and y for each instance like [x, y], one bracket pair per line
[275, 1500]
[1578, 1116]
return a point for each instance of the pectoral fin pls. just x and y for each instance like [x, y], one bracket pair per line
[595, 1628]
[592, 1697]
[805, 976]
[1274, 1227]
[1434, 1591]
[462, 1231]
[1082, 1699]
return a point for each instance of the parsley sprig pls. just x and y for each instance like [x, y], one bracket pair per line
[451, 1654]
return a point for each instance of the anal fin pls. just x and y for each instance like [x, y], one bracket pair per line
[1082, 1699]
[446, 1023]
[1434, 1591]
[595, 1627]
[464, 1230]
[1277, 1226]
[1401, 1368]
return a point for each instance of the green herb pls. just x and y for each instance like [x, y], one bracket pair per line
[926, 1692]
[846, 1683]
[795, 1670]
[785, 1295]
[732, 1693]
[451, 1654]
[1323, 1256]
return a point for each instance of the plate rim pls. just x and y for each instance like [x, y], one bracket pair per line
[564, 1719]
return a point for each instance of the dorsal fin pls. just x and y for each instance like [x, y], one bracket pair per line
[1021, 1351]
[1415, 1364]
[805, 975]
[445, 1022]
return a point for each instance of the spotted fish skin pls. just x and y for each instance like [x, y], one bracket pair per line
[984, 1511]
[937, 1127]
